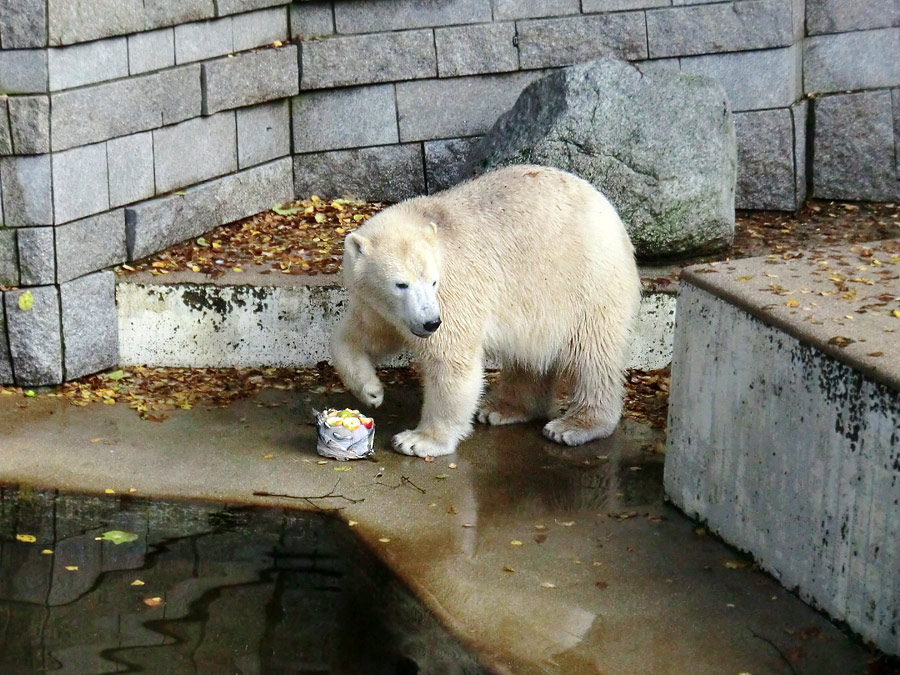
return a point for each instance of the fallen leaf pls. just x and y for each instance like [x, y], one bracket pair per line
[468, 525]
[896, 313]
[47, 551]
[277, 43]
[841, 341]
[515, 542]
[792, 303]
[343, 467]
[566, 523]
[540, 538]
[269, 455]
[746, 278]
[451, 466]
[137, 582]
[734, 564]
[602, 585]
[351, 523]
[26, 301]
[27, 538]
[547, 584]
[72, 568]
[110, 491]
[441, 476]
[507, 568]
[153, 602]
[385, 540]
[116, 375]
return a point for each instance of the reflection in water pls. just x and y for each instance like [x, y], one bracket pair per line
[242, 591]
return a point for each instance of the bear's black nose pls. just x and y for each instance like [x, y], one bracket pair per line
[432, 326]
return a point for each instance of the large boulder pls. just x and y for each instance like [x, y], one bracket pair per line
[661, 147]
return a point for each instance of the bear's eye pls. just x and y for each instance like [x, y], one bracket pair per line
[402, 286]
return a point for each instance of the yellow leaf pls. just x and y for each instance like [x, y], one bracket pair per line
[351, 523]
[515, 542]
[137, 582]
[385, 540]
[896, 313]
[26, 301]
[128, 267]
[320, 217]
[27, 538]
[238, 269]
[792, 303]
[153, 602]
[277, 43]
[47, 551]
[358, 217]
[110, 491]
[269, 455]
[72, 568]
[342, 467]
[746, 278]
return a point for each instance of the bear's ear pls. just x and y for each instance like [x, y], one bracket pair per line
[357, 245]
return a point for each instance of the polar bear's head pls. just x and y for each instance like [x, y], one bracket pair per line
[393, 264]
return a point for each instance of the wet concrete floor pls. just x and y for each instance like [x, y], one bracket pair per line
[538, 558]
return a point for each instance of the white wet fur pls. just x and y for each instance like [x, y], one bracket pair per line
[528, 264]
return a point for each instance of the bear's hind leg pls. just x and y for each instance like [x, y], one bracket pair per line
[520, 396]
[597, 394]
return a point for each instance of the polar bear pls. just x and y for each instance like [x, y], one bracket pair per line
[528, 265]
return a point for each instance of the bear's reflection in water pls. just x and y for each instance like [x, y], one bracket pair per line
[240, 590]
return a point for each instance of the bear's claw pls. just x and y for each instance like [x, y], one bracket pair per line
[560, 431]
[417, 444]
[372, 394]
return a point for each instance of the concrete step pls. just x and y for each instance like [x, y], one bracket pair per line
[260, 318]
[784, 422]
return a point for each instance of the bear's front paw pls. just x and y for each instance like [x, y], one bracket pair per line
[496, 414]
[415, 443]
[564, 432]
[371, 393]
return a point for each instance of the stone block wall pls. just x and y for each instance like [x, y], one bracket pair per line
[127, 126]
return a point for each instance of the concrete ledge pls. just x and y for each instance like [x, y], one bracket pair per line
[264, 320]
[788, 446]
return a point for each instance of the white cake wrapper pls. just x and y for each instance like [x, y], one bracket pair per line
[342, 443]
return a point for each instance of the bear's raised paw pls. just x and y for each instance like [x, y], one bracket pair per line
[417, 444]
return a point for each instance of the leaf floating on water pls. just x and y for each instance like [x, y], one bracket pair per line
[47, 551]
[26, 301]
[351, 523]
[72, 568]
[118, 537]
[734, 564]
[154, 602]
[137, 582]
[841, 341]
[27, 538]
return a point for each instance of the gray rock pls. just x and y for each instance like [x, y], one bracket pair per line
[23, 24]
[256, 29]
[27, 193]
[661, 148]
[102, 111]
[158, 13]
[546, 43]
[800, 115]
[263, 133]
[836, 16]
[533, 9]
[459, 106]
[80, 182]
[235, 6]
[388, 173]
[87, 63]
[130, 162]
[724, 27]
[753, 80]
[5, 138]
[311, 20]
[445, 161]
[151, 51]
[37, 256]
[370, 16]
[90, 244]
[853, 147]
[251, 77]
[23, 71]
[345, 118]
[34, 336]
[90, 328]
[368, 59]
[73, 21]
[156, 224]
[203, 40]
[6, 372]
[9, 258]
[29, 122]
[847, 61]
[210, 142]
[470, 50]
[620, 5]
[766, 162]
